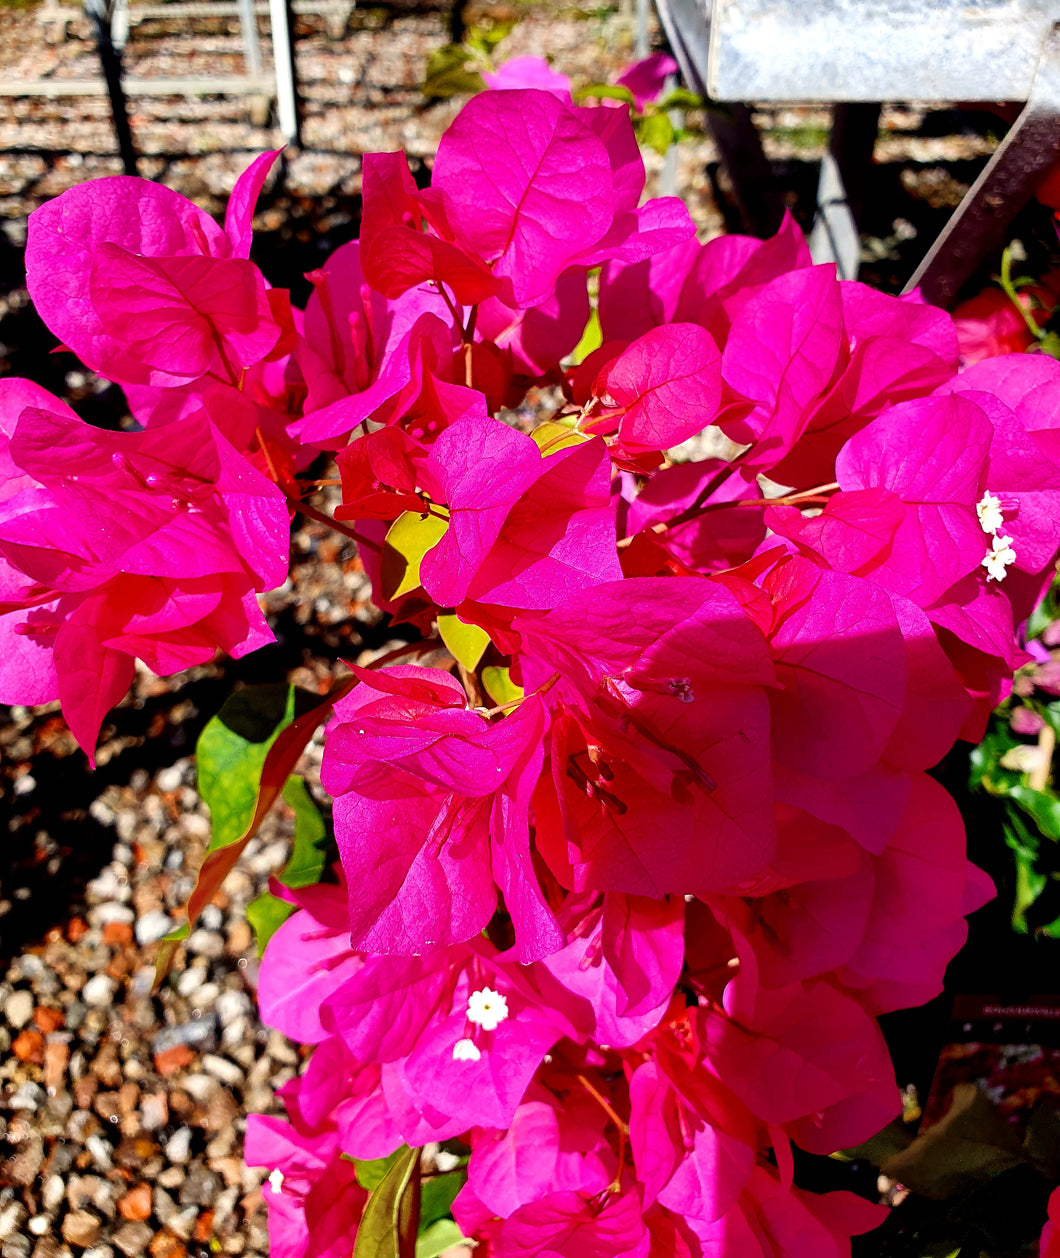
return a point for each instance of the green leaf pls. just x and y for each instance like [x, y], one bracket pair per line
[987, 773]
[1042, 807]
[885, 1144]
[449, 73]
[391, 1218]
[499, 685]
[409, 538]
[309, 856]
[605, 91]
[970, 1144]
[437, 1238]
[438, 1195]
[681, 98]
[1050, 344]
[486, 38]
[466, 643]
[371, 1173]
[655, 131]
[248, 752]
[231, 754]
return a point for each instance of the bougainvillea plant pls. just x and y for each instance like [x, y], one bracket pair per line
[638, 840]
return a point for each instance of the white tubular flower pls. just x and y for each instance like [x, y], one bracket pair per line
[487, 1009]
[988, 508]
[276, 1180]
[998, 557]
[465, 1050]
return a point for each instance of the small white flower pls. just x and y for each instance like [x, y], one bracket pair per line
[465, 1050]
[276, 1180]
[988, 508]
[487, 1009]
[998, 557]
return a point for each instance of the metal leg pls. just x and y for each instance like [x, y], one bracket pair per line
[286, 104]
[841, 189]
[248, 28]
[110, 62]
[980, 223]
[739, 146]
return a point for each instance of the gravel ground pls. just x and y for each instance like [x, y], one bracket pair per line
[122, 1113]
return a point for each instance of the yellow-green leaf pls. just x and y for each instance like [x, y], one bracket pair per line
[592, 339]
[451, 72]
[499, 685]
[466, 643]
[391, 1218]
[552, 437]
[410, 537]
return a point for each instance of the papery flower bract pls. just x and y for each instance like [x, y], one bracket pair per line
[407, 758]
[524, 529]
[647, 77]
[144, 286]
[518, 72]
[148, 545]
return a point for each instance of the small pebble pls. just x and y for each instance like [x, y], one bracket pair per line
[152, 927]
[100, 1151]
[169, 780]
[132, 1239]
[99, 991]
[12, 1217]
[178, 1147]
[18, 1008]
[111, 914]
[223, 1069]
[81, 1228]
[206, 943]
[52, 1192]
[191, 980]
[107, 886]
[39, 1224]
[211, 918]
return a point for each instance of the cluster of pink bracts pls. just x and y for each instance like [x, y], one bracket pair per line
[708, 819]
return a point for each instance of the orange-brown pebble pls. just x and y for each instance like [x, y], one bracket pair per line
[136, 1204]
[29, 1046]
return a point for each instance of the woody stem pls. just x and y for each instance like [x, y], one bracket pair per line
[322, 518]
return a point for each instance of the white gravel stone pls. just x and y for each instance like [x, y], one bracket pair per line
[18, 1008]
[169, 779]
[196, 825]
[12, 1218]
[211, 917]
[99, 991]
[111, 911]
[191, 980]
[206, 943]
[52, 1192]
[232, 1005]
[200, 1087]
[107, 886]
[28, 1097]
[100, 1151]
[223, 1069]
[178, 1146]
[205, 997]
[152, 926]
[38, 1225]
